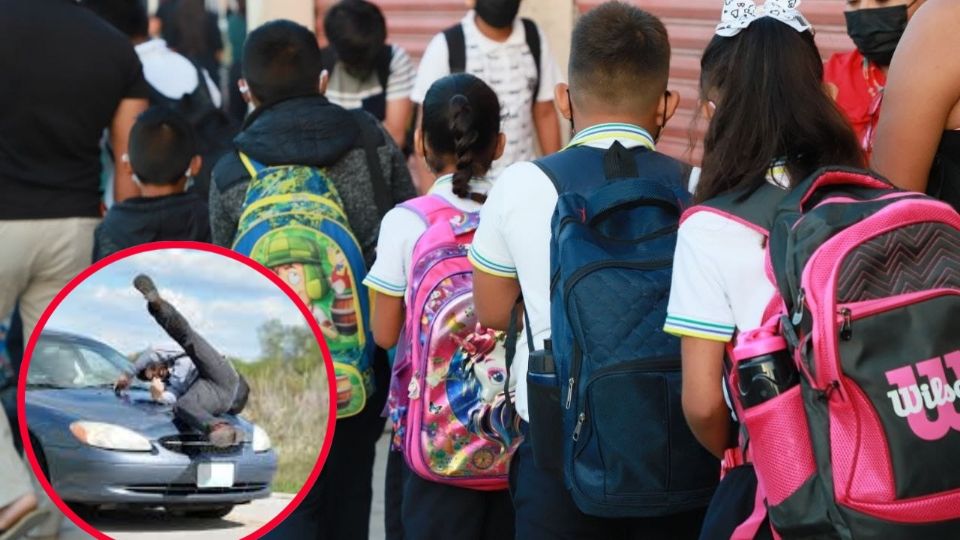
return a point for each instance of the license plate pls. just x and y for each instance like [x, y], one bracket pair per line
[215, 475]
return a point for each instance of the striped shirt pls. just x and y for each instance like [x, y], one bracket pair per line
[349, 92]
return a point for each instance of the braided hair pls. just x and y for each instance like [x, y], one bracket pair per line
[461, 126]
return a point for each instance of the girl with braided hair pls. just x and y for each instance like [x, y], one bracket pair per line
[459, 139]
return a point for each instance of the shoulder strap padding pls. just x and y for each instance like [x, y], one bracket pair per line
[456, 48]
[756, 210]
[566, 168]
[428, 207]
[533, 43]
[253, 167]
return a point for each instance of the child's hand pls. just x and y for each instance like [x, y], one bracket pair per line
[122, 384]
[156, 388]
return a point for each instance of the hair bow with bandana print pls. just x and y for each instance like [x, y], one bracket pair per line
[739, 14]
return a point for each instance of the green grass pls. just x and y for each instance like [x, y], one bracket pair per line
[289, 400]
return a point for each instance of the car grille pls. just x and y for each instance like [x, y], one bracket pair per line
[193, 444]
[174, 490]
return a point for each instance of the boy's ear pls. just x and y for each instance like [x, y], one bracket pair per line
[501, 145]
[324, 82]
[561, 95]
[195, 165]
[667, 107]
[418, 143]
[125, 166]
[244, 90]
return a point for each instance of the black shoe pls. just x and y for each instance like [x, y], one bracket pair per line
[145, 285]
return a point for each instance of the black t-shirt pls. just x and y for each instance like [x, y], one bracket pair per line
[65, 71]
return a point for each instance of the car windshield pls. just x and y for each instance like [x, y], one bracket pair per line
[75, 364]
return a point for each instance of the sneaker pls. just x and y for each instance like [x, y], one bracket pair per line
[145, 285]
[224, 436]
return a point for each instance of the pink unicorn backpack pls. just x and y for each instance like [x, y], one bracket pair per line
[848, 394]
[447, 400]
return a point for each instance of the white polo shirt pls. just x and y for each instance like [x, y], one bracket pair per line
[514, 236]
[720, 283]
[509, 69]
[349, 92]
[399, 232]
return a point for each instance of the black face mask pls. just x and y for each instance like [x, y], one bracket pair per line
[877, 31]
[498, 13]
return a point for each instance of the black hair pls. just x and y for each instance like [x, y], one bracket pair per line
[357, 31]
[162, 144]
[190, 20]
[281, 60]
[461, 123]
[620, 58]
[127, 16]
[767, 86]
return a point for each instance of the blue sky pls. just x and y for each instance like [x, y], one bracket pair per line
[223, 299]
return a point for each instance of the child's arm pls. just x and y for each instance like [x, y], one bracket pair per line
[386, 319]
[548, 126]
[703, 405]
[495, 297]
[123, 120]
[923, 89]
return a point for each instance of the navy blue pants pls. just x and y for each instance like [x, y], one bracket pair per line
[432, 511]
[546, 511]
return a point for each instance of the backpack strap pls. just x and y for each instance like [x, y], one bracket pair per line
[371, 137]
[533, 43]
[254, 168]
[384, 59]
[428, 207]
[456, 48]
[756, 210]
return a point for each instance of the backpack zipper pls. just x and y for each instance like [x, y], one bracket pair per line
[576, 277]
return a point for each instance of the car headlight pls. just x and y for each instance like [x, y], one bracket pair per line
[261, 441]
[109, 436]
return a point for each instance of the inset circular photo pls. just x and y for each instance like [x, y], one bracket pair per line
[176, 388]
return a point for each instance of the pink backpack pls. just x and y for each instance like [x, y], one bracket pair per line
[848, 395]
[447, 402]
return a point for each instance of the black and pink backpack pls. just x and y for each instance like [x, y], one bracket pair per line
[867, 308]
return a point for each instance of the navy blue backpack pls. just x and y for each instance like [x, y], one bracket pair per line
[627, 449]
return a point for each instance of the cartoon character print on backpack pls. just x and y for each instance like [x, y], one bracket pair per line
[293, 223]
[448, 396]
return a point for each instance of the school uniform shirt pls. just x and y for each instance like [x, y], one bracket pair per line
[399, 232]
[510, 70]
[513, 239]
[349, 92]
[719, 279]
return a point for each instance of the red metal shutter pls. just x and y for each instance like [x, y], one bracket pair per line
[691, 24]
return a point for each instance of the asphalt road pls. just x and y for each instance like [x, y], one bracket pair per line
[244, 520]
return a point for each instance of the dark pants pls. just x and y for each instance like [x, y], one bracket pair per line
[218, 390]
[338, 505]
[394, 482]
[433, 511]
[545, 510]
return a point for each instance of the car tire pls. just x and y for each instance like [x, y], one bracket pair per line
[208, 512]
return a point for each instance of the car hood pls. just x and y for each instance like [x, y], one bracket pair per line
[134, 410]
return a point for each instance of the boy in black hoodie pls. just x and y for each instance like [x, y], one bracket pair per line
[294, 124]
[162, 156]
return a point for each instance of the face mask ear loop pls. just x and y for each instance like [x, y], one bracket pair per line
[660, 128]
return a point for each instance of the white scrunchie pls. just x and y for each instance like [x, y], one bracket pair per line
[739, 14]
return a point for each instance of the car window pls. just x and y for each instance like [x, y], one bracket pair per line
[55, 364]
[75, 365]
